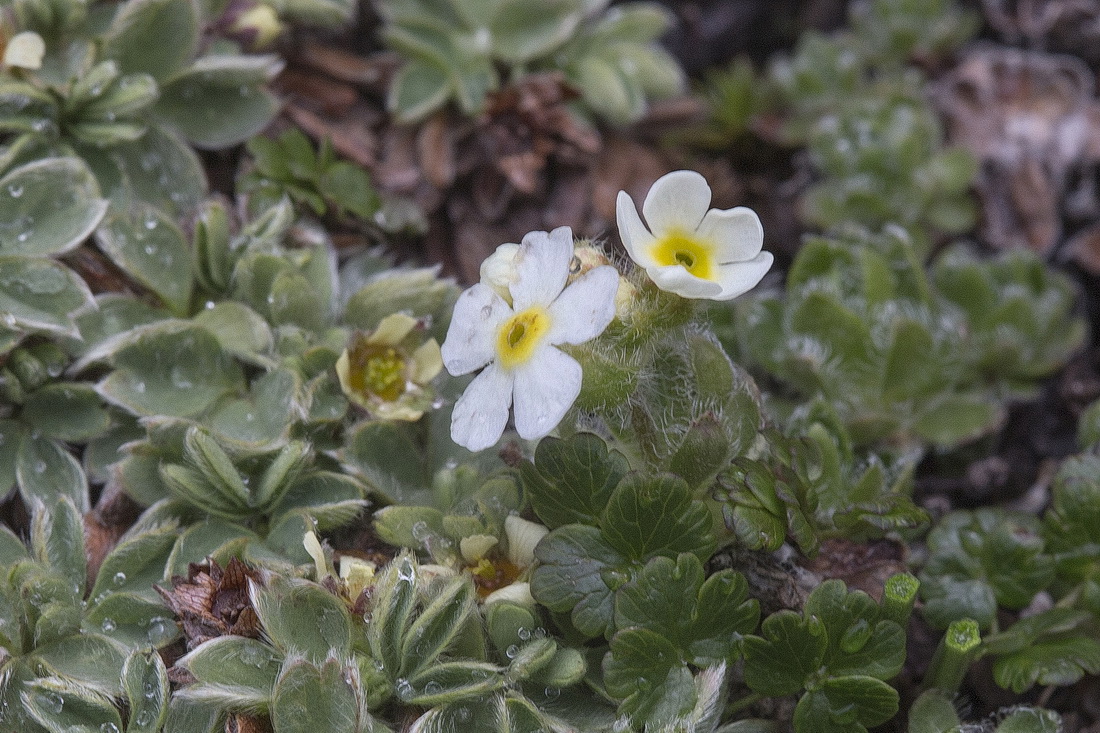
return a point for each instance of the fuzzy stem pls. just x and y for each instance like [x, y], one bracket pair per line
[958, 648]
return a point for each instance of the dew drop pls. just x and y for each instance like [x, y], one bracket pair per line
[119, 578]
[108, 727]
[511, 651]
[523, 633]
[108, 625]
[149, 690]
[53, 702]
[404, 689]
[15, 190]
[433, 688]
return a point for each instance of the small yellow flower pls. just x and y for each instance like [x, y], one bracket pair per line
[384, 374]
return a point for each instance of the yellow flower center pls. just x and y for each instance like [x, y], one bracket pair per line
[521, 335]
[696, 255]
[377, 370]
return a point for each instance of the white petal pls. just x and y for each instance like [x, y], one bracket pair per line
[471, 337]
[542, 266]
[740, 277]
[584, 309]
[636, 238]
[675, 279]
[736, 232]
[545, 389]
[677, 200]
[481, 412]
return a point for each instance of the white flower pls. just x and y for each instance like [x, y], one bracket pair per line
[687, 249]
[517, 341]
[25, 50]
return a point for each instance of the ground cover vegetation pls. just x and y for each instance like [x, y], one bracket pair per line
[437, 365]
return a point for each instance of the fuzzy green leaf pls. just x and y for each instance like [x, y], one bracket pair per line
[57, 539]
[418, 89]
[448, 682]
[518, 37]
[160, 168]
[37, 294]
[147, 245]
[954, 419]
[48, 207]
[145, 682]
[219, 102]
[437, 627]
[240, 330]
[61, 706]
[91, 659]
[307, 695]
[571, 480]
[172, 369]
[395, 594]
[234, 661]
[136, 563]
[45, 471]
[131, 620]
[305, 618]
[384, 454]
[156, 37]
[263, 418]
[66, 411]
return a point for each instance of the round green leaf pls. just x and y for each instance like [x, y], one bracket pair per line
[67, 411]
[147, 245]
[38, 294]
[153, 36]
[219, 102]
[174, 369]
[48, 207]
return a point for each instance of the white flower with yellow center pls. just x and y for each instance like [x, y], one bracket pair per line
[515, 343]
[687, 249]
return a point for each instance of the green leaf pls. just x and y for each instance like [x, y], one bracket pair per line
[846, 705]
[234, 661]
[91, 659]
[703, 620]
[1070, 522]
[57, 539]
[147, 245]
[45, 472]
[202, 539]
[395, 594]
[153, 36]
[981, 556]
[448, 682]
[437, 627]
[11, 436]
[132, 620]
[384, 454]
[308, 695]
[575, 566]
[145, 681]
[67, 411]
[160, 169]
[791, 650]
[1031, 720]
[37, 294]
[571, 480]
[858, 642]
[240, 330]
[61, 706]
[607, 90]
[173, 369]
[911, 369]
[305, 618]
[418, 89]
[12, 549]
[263, 419]
[518, 37]
[48, 207]
[933, 712]
[1052, 648]
[136, 563]
[644, 670]
[958, 418]
[218, 101]
[647, 516]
